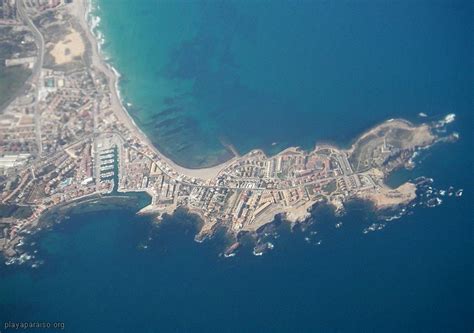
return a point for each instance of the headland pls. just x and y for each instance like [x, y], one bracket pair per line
[69, 137]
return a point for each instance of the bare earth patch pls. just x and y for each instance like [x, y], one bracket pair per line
[385, 197]
[67, 49]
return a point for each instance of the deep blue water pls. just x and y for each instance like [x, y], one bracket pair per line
[324, 70]
[413, 276]
[254, 73]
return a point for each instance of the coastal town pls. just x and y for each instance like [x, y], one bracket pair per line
[67, 137]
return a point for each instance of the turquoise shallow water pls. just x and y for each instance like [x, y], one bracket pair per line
[303, 72]
[256, 73]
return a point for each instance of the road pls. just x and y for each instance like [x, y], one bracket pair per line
[36, 75]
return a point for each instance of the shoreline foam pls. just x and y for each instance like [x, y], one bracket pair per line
[82, 11]
[91, 22]
[97, 38]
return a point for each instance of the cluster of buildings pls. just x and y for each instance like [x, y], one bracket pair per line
[66, 139]
[41, 5]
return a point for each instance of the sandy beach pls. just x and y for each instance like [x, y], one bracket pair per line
[80, 9]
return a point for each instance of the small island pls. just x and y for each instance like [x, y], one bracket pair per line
[68, 138]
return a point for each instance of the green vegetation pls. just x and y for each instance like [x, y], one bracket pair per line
[11, 80]
[330, 187]
[324, 151]
[15, 211]
[362, 155]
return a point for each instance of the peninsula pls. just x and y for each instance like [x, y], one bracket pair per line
[67, 137]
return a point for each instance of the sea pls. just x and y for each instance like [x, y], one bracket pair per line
[203, 78]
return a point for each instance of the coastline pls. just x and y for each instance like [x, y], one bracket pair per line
[99, 61]
[245, 192]
[90, 200]
[82, 11]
